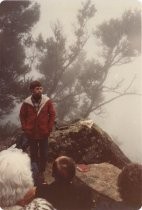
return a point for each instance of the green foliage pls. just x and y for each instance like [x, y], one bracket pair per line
[52, 62]
[110, 32]
[121, 38]
[16, 21]
[59, 63]
[132, 27]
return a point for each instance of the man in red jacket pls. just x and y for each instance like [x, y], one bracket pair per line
[37, 116]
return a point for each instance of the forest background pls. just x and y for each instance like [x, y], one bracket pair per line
[87, 55]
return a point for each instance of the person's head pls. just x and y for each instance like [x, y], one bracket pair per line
[130, 184]
[16, 182]
[36, 89]
[63, 169]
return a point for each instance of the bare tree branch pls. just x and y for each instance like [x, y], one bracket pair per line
[114, 98]
[109, 89]
[130, 84]
[125, 92]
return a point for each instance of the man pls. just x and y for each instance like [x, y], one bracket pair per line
[64, 193]
[37, 119]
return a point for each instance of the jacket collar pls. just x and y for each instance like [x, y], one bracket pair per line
[44, 99]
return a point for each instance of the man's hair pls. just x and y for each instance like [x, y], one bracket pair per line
[130, 184]
[35, 84]
[63, 169]
[15, 176]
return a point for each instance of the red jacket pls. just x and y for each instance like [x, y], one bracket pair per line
[37, 125]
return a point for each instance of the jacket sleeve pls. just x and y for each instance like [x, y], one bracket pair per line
[22, 116]
[51, 114]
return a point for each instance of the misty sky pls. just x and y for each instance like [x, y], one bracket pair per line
[122, 119]
[123, 116]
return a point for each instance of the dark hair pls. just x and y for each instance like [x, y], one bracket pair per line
[35, 84]
[63, 169]
[130, 184]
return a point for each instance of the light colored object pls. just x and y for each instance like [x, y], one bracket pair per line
[15, 176]
[87, 123]
[102, 178]
[37, 203]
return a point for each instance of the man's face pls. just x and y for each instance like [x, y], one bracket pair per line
[37, 92]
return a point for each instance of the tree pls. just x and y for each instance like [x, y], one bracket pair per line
[120, 42]
[57, 59]
[76, 84]
[16, 21]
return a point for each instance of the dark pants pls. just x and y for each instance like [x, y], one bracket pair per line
[39, 151]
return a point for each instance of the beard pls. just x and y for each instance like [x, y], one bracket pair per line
[37, 97]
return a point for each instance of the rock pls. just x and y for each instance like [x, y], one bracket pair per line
[82, 140]
[11, 140]
[102, 179]
[86, 143]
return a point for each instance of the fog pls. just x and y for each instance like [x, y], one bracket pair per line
[122, 118]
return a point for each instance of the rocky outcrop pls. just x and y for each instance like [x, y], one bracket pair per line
[102, 179]
[86, 143]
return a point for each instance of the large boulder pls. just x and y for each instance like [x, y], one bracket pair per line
[86, 143]
[83, 140]
[102, 179]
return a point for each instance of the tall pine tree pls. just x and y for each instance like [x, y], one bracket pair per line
[16, 21]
